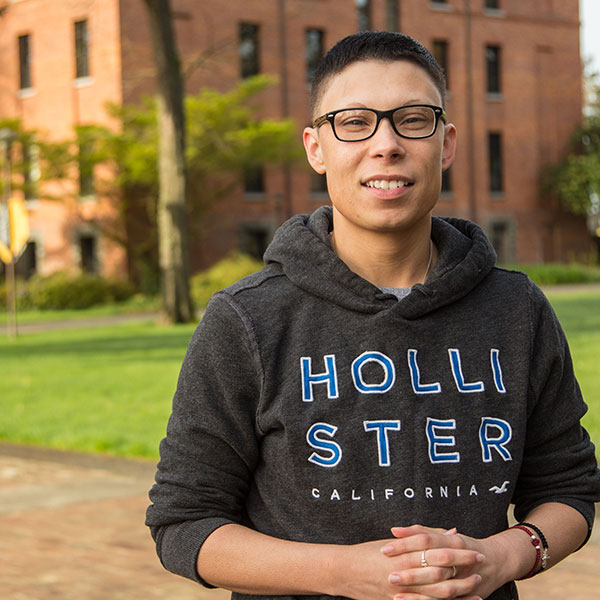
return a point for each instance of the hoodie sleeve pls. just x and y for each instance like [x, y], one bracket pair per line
[211, 447]
[559, 463]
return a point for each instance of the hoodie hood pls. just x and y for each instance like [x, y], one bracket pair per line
[302, 249]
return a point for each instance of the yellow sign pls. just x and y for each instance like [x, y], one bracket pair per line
[18, 228]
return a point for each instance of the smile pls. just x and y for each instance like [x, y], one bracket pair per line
[383, 184]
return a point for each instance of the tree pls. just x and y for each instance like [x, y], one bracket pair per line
[225, 138]
[575, 181]
[173, 245]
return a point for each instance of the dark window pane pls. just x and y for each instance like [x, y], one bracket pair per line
[27, 264]
[254, 239]
[82, 67]
[492, 3]
[364, 14]
[499, 234]
[24, 62]
[86, 169]
[495, 162]
[31, 170]
[492, 59]
[392, 15]
[88, 253]
[318, 183]
[440, 53]
[446, 181]
[314, 51]
[249, 50]
[254, 180]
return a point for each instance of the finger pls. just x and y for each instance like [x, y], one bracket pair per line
[421, 576]
[402, 532]
[422, 541]
[448, 588]
[448, 557]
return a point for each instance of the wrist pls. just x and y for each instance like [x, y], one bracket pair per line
[516, 554]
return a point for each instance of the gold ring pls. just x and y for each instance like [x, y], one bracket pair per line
[424, 562]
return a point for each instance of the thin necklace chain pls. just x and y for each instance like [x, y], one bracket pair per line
[429, 261]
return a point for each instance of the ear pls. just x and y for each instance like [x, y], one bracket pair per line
[449, 148]
[314, 153]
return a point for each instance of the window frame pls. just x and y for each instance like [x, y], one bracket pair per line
[24, 45]
[249, 37]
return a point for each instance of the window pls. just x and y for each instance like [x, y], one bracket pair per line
[392, 16]
[500, 237]
[249, 50]
[495, 162]
[24, 62]
[446, 181]
[86, 169]
[492, 59]
[254, 180]
[254, 239]
[88, 253]
[31, 170]
[440, 53]
[82, 67]
[492, 4]
[364, 14]
[26, 266]
[318, 183]
[314, 51]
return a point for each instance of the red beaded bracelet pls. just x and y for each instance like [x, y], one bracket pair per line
[537, 544]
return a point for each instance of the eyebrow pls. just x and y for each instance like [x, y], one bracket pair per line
[407, 103]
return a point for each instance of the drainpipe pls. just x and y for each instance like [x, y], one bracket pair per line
[286, 205]
[470, 125]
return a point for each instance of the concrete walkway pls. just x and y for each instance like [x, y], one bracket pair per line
[72, 528]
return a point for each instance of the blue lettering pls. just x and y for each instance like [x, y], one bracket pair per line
[499, 442]
[309, 378]
[497, 370]
[389, 372]
[334, 450]
[435, 441]
[415, 376]
[467, 388]
[383, 447]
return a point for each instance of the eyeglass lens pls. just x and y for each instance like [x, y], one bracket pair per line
[411, 122]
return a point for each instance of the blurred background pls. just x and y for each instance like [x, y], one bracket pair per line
[149, 150]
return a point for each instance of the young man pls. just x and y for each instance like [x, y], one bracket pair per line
[355, 419]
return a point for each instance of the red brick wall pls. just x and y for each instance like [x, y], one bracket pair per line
[539, 107]
[55, 103]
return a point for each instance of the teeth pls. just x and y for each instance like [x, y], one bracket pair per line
[384, 184]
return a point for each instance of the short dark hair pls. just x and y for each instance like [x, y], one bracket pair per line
[385, 46]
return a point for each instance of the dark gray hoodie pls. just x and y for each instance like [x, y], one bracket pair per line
[312, 406]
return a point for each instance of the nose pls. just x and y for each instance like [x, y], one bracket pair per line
[385, 142]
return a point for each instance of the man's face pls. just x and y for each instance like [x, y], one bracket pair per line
[352, 167]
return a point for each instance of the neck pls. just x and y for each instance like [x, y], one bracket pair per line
[386, 259]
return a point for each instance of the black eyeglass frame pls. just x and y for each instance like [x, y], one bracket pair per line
[438, 111]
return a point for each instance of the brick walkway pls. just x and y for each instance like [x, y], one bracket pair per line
[72, 528]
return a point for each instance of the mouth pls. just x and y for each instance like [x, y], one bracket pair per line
[387, 184]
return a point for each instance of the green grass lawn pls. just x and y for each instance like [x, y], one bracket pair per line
[579, 314]
[109, 389]
[104, 389]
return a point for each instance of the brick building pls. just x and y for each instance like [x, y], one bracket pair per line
[514, 74]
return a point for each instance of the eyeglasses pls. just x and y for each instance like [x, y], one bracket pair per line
[415, 122]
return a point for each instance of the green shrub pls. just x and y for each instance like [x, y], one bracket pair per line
[222, 274]
[61, 291]
[558, 273]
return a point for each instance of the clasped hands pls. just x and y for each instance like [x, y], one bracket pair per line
[424, 564]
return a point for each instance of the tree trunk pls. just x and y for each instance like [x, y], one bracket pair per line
[172, 227]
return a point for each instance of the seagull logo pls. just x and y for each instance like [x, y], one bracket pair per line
[500, 490]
